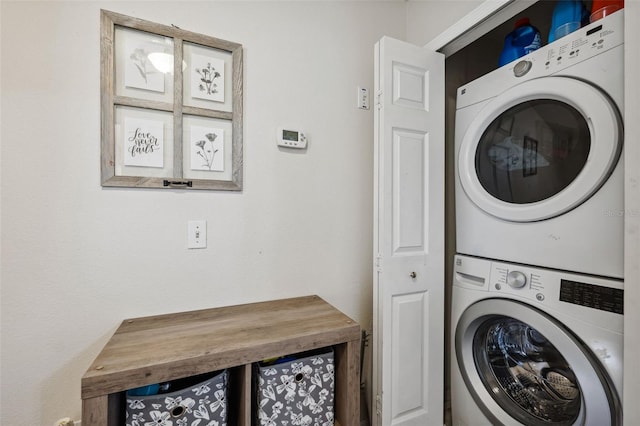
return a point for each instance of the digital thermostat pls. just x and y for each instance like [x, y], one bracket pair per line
[290, 138]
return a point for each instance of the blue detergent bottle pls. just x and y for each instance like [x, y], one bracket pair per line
[568, 16]
[524, 39]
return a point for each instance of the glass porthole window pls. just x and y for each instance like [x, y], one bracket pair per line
[525, 374]
[532, 151]
[539, 149]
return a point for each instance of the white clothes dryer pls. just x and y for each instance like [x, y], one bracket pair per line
[534, 346]
[538, 151]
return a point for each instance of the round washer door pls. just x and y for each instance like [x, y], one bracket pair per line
[540, 149]
[523, 367]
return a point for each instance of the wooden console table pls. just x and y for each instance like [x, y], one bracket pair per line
[167, 347]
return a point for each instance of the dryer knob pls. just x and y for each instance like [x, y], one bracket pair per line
[521, 68]
[516, 279]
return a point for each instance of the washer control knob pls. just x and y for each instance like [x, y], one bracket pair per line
[521, 68]
[516, 279]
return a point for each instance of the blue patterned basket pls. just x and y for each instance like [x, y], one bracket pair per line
[203, 403]
[296, 392]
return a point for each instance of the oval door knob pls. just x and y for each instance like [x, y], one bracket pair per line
[413, 275]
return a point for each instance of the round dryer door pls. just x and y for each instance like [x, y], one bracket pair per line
[523, 367]
[540, 149]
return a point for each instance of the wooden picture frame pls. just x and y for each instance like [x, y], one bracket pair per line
[171, 104]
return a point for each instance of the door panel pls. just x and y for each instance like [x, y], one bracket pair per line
[409, 191]
[409, 321]
[408, 237]
[409, 86]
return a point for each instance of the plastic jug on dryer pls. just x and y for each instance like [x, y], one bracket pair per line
[568, 16]
[602, 8]
[524, 39]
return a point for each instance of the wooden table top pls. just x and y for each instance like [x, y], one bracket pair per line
[166, 347]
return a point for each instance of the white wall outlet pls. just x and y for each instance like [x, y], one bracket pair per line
[363, 98]
[197, 234]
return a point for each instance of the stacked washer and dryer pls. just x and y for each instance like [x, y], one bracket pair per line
[537, 299]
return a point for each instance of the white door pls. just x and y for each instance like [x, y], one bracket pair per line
[408, 352]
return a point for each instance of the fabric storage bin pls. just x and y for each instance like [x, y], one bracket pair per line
[298, 390]
[198, 400]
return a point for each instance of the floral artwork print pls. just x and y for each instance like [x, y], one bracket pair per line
[139, 72]
[139, 58]
[204, 404]
[207, 78]
[296, 393]
[207, 149]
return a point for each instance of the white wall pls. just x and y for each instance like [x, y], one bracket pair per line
[77, 258]
[426, 19]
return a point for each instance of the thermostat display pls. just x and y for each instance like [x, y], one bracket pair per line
[290, 135]
[289, 138]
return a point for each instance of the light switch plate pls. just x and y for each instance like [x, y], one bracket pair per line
[363, 98]
[197, 234]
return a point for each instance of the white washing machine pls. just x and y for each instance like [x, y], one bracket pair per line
[539, 170]
[534, 346]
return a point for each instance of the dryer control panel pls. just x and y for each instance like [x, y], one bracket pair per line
[592, 296]
[563, 290]
[517, 279]
[589, 300]
[582, 44]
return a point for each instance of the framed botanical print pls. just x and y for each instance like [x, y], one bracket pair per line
[171, 107]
